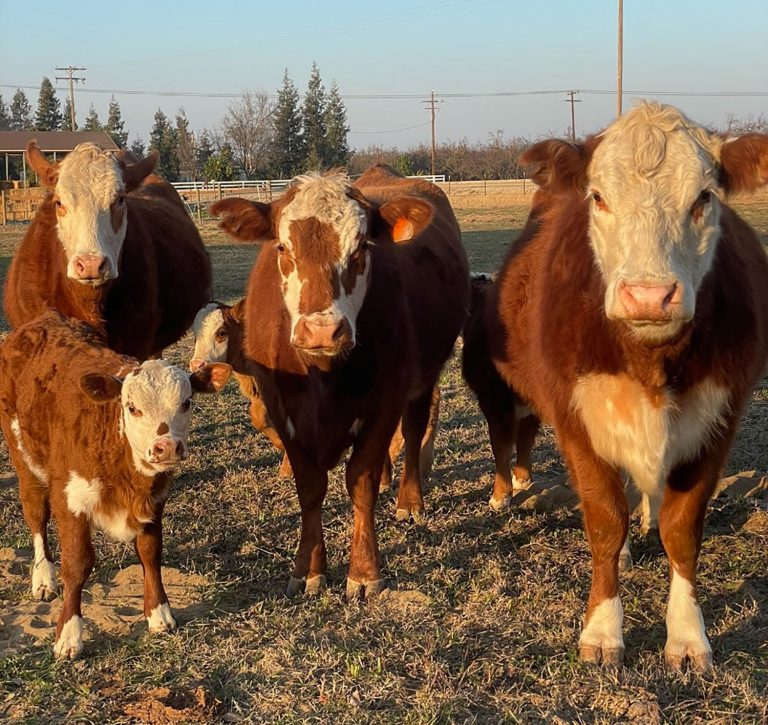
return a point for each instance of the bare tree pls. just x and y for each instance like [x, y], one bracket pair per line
[248, 127]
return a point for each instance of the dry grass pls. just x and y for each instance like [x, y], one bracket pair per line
[482, 618]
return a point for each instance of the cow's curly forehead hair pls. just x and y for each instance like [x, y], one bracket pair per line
[90, 169]
[331, 199]
[157, 381]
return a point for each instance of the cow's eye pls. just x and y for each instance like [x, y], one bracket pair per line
[221, 335]
[121, 199]
[58, 202]
[701, 201]
[597, 197]
[134, 411]
[281, 247]
[185, 405]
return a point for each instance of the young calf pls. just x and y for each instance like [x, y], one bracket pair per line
[93, 435]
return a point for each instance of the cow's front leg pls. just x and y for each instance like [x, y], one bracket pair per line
[149, 549]
[309, 567]
[77, 558]
[606, 520]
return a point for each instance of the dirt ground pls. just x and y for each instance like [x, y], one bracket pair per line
[481, 616]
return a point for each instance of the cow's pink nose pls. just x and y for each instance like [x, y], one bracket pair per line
[649, 301]
[166, 450]
[321, 333]
[196, 363]
[90, 266]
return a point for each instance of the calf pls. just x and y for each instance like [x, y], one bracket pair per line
[633, 319]
[112, 245]
[353, 307]
[93, 435]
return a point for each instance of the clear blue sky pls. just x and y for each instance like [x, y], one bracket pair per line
[397, 47]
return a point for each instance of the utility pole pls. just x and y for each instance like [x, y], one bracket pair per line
[433, 108]
[572, 100]
[69, 70]
[620, 72]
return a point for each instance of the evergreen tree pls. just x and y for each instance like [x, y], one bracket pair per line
[139, 148]
[21, 112]
[185, 148]
[66, 117]
[313, 116]
[203, 151]
[5, 117]
[164, 139]
[337, 147]
[92, 122]
[290, 151]
[220, 166]
[115, 125]
[48, 116]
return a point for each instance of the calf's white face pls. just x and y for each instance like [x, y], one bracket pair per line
[211, 336]
[654, 219]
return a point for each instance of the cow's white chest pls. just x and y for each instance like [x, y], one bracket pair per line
[643, 433]
[84, 497]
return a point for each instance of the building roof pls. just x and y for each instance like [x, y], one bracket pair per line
[15, 142]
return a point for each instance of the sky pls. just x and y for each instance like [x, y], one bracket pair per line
[399, 48]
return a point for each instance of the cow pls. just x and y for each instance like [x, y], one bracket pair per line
[633, 319]
[112, 245]
[93, 436]
[219, 334]
[511, 426]
[352, 309]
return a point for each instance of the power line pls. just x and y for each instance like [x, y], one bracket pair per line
[395, 130]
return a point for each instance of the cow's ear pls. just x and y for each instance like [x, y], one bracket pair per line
[744, 163]
[560, 166]
[250, 221]
[101, 388]
[403, 219]
[210, 378]
[237, 311]
[47, 172]
[134, 174]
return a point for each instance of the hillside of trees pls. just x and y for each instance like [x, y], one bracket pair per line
[259, 138]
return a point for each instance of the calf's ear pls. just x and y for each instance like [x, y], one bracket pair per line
[403, 219]
[101, 388]
[47, 172]
[250, 221]
[134, 174]
[210, 378]
[744, 163]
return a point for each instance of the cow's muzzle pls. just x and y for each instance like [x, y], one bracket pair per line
[322, 334]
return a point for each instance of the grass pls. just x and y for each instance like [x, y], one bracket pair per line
[483, 613]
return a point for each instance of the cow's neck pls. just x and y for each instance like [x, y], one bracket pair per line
[88, 302]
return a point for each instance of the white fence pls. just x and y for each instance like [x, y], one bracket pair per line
[264, 185]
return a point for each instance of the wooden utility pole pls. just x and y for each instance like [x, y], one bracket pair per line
[431, 107]
[70, 70]
[620, 72]
[572, 100]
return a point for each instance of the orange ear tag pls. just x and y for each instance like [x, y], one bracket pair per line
[402, 231]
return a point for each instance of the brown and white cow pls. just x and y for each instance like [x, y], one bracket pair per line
[352, 309]
[112, 245]
[635, 320]
[93, 435]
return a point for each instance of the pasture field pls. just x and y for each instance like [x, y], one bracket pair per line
[483, 611]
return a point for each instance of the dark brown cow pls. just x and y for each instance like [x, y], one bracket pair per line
[93, 435]
[634, 319]
[352, 309]
[112, 245]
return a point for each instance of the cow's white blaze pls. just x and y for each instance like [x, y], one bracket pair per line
[649, 171]
[155, 406]
[89, 188]
[207, 322]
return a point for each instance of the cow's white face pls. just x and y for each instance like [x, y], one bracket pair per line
[156, 401]
[654, 218]
[324, 263]
[211, 336]
[91, 213]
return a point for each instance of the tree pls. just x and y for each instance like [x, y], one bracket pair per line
[66, 116]
[185, 148]
[203, 151]
[48, 116]
[21, 112]
[138, 148]
[5, 117]
[164, 139]
[289, 149]
[247, 127]
[115, 126]
[92, 122]
[337, 147]
[313, 116]
[220, 166]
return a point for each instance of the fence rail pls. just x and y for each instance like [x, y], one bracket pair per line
[264, 184]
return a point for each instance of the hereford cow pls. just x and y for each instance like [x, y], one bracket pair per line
[634, 320]
[352, 309]
[112, 245]
[92, 435]
[219, 336]
[511, 426]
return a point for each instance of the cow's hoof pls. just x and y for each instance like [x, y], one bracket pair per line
[416, 514]
[69, 645]
[625, 561]
[596, 655]
[44, 587]
[357, 590]
[700, 662]
[161, 619]
[315, 585]
[499, 504]
[295, 586]
[519, 484]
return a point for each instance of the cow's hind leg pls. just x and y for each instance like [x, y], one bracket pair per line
[527, 430]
